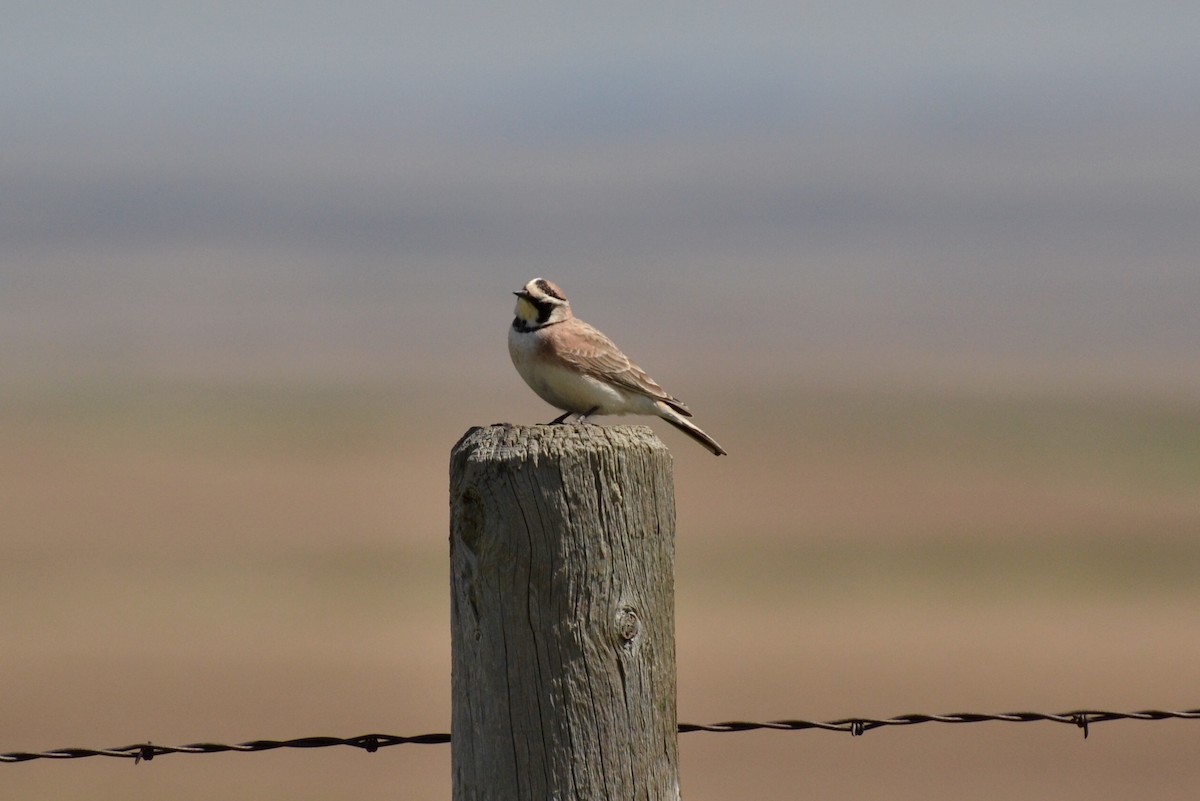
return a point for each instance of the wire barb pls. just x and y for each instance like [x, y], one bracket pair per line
[856, 727]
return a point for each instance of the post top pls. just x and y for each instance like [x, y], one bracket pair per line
[506, 441]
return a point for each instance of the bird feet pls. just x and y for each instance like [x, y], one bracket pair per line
[583, 418]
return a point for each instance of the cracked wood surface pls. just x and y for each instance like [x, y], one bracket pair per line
[562, 614]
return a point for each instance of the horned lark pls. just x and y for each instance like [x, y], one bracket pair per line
[574, 367]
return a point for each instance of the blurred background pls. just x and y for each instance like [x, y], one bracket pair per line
[927, 271]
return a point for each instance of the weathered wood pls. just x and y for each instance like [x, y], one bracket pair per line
[562, 550]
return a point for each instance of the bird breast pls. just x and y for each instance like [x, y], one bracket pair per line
[558, 383]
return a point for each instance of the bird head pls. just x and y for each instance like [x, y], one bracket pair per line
[541, 302]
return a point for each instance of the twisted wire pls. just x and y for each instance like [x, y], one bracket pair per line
[1083, 719]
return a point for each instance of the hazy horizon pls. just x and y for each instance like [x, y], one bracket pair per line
[239, 189]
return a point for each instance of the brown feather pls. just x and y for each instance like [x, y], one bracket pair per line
[596, 355]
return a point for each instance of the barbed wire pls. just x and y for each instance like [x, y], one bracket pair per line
[147, 751]
[856, 727]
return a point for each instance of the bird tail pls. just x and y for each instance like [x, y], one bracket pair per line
[689, 428]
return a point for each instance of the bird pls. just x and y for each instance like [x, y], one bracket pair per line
[574, 367]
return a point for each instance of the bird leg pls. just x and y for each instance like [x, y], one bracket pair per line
[583, 417]
[560, 418]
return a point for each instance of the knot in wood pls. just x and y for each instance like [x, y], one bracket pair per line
[467, 518]
[629, 625]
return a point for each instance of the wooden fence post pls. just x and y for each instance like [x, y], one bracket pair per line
[562, 552]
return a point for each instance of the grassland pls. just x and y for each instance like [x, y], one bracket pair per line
[228, 562]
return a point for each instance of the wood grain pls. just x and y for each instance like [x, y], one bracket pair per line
[563, 636]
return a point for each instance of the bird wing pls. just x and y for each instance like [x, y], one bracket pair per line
[598, 356]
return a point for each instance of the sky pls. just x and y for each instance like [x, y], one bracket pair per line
[220, 189]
